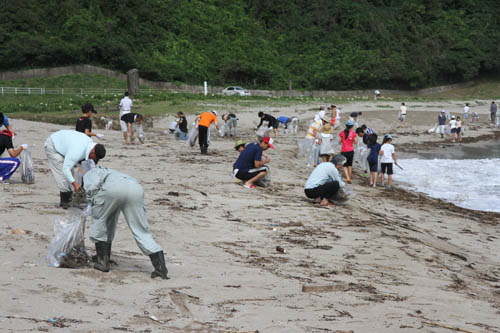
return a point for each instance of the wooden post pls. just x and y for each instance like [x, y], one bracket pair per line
[133, 81]
[290, 88]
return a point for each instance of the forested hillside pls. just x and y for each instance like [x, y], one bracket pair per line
[318, 44]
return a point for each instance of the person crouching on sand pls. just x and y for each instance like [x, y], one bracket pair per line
[250, 166]
[388, 158]
[324, 183]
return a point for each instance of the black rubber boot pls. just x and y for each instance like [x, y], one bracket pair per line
[111, 261]
[65, 199]
[158, 261]
[204, 149]
[102, 250]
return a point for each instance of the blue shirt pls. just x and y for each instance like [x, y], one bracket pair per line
[442, 119]
[283, 120]
[247, 158]
[374, 149]
[5, 121]
[324, 173]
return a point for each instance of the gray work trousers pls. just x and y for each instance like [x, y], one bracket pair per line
[231, 123]
[121, 193]
[56, 162]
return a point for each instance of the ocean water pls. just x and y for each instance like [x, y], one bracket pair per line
[469, 183]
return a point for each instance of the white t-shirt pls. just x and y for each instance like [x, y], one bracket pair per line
[453, 123]
[125, 104]
[403, 109]
[388, 150]
[466, 109]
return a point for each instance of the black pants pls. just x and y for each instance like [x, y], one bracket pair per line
[327, 190]
[202, 136]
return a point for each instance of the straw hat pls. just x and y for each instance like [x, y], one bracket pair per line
[327, 129]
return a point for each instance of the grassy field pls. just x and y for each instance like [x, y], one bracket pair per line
[63, 109]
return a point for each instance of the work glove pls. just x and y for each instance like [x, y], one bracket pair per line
[25, 146]
[99, 135]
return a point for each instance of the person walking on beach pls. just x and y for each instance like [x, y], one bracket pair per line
[453, 128]
[335, 117]
[250, 166]
[348, 138]
[442, 123]
[326, 143]
[493, 112]
[466, 112]
[9, 165]
[4, 121]
[373, 158]
[388, 158]
[84, 123]
[204, 121]
[65, 149]
[111, 192]
[324, 182]
[459, 129]
[271, 121]
[402, 113]
[125, 107]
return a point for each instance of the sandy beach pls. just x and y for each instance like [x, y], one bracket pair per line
[388, 261]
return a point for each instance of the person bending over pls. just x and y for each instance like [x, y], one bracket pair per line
[204, 121]
[131, 118]
[250, 166]
[324, 182]
[271, 121]
[9, 165]
[65, 149]
[111, 192]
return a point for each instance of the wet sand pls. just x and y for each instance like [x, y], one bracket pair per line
[388, 261]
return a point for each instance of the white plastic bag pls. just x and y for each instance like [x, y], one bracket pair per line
[305, 146]
[27, 172]
[192, 136]
[262, 131]
[139, 132]
[222, 130]
[67, 247]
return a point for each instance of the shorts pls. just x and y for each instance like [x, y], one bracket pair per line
[274, 125]
[402, 117]
[247, 175]
[388, 167]
[466, 115]
[453, 130]
[459, 130]
[373, 166]
[349, 155]
[123, 125]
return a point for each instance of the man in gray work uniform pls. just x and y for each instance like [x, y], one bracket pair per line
[111, 192]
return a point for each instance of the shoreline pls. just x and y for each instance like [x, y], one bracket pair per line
[389, 261]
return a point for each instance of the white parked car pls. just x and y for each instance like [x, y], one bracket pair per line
[236, 91]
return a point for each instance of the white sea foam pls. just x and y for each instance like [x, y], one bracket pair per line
[473, 184]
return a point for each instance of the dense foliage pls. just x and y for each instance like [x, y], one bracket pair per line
[317, 44]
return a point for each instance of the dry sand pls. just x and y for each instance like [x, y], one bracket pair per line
[388, 261]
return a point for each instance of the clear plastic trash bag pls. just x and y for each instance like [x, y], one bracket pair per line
[222, 130]
[139, 132]
[262, 131]
[27, 171]
[305, 146]
[192, 136]
[67, 247]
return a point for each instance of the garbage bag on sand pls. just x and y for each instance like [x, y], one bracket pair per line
[192, 136]
[222, 130]
[67, 247]
[139, 132]
[262, 131]
[305, 146]
[27, 172]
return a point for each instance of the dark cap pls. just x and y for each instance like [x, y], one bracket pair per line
[100, 152]
[88, 107]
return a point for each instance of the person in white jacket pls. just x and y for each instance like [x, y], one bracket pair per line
[65, 149]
